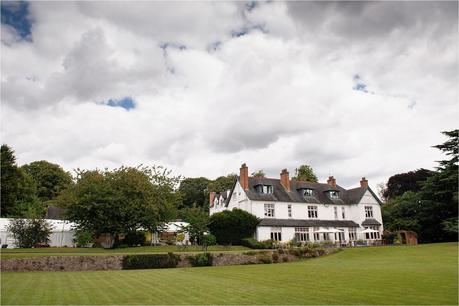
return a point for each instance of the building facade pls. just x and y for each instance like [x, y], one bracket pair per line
[305, 211]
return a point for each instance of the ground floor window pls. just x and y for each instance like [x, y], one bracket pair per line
[301, 234]
[276, 234]
[374, 235]
[352, 234]
[339, 236]
[316, 235]
[326, 236]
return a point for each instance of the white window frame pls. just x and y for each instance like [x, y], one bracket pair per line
[316, 235]
[313, 212]
[343, 212]
[269, 210]
[276, 233]
[307, 192]
[289, 210]
[335, 212]
[373, 236]
[333, 194]
[302, 234]
[368, 212]
[352, 233]
[267, 189]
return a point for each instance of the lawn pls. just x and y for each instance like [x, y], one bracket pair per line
[27, 253]
[424, 274]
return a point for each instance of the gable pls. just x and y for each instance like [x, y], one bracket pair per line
[369, 198]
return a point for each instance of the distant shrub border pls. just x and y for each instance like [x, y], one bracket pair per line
[156, 261]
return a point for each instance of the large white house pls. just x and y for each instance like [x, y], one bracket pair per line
[306, 211]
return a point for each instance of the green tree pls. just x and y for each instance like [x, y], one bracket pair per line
[305, 173]
[27, 204]
[222, 183]
[123, 200]
[194, 192]
[28, 233]
[400, 183]
[259, 173]
[51, 178]
[231, 226]
[431, 211]
[198, 220]
[9, 180]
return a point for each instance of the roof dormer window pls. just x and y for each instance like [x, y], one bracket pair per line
[305, 192]
[333, 194]
[268, 189]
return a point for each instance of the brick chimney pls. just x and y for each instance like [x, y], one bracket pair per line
[211, 198]
[331, 182]
[244, 176]
[285, 180]
[364, 183]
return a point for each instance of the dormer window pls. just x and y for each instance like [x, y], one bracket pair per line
[333, 194]
[268, 189]
[305, 192]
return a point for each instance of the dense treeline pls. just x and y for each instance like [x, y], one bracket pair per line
[125, 200]
[426, 201]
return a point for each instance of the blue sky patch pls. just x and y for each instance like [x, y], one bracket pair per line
[360, 85]
[127, 103]
[14, 14]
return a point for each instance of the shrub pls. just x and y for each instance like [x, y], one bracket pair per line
[134, 238]
[254, 244]
[29, 233]
[209, 239]
[284, 258]
[82, 237]
[230, 227]
[201, 260]
[264, 258]
[150, 261]
[275, 257]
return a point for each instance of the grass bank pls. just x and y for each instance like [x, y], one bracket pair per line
[424, 274]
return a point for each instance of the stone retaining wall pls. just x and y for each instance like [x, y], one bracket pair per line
[115, 262]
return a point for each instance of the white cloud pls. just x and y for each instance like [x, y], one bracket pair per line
[278, 96]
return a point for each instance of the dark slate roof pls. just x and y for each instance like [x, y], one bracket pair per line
[370, 222]
[280, 194]
[54, 212]
[307, 223]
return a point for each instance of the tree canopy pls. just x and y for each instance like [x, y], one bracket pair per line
[194, 192]
[222, 183]
[123, 200]
[51, 179]
[432, 210]
[198, 220]
[305, 173]
[398, 184]
[259, 173]
[231, 226]
[9, 180]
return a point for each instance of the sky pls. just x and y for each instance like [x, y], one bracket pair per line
[351, 88]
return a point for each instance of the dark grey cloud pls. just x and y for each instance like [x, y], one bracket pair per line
[373, 19]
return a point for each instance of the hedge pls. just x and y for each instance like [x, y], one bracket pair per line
[150, 261]
[201, 260]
